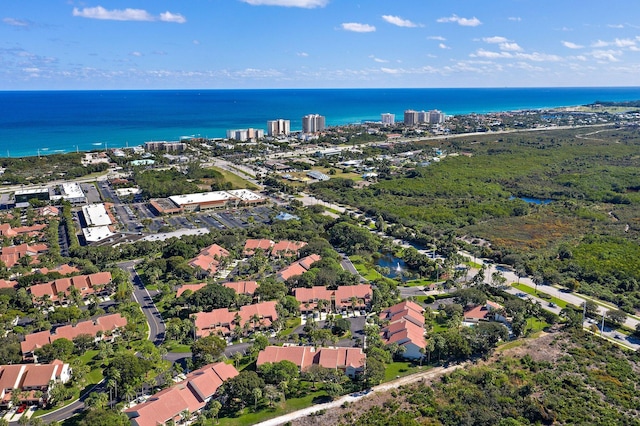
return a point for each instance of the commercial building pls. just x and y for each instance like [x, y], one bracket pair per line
[313, 123]
[388, 119]
[69, 191]
[278, 127]
[24, 195]
[206, 200]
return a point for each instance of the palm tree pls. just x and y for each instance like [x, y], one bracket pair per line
[283, 386]
[257, 394]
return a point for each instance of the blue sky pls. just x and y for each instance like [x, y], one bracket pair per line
[163, 44]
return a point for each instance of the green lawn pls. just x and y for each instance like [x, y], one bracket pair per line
[365, 269]
[526, 289]
[177, 347]
[236, 181]
[292, 404]
[401, 368]
[291, 325]
[418, 282]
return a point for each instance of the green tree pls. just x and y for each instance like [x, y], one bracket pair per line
[207, 350]
[239, 389]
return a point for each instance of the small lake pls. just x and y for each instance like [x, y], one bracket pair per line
[395, 265]
[532, 200]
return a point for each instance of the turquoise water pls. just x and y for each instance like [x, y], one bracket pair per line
[63, 121]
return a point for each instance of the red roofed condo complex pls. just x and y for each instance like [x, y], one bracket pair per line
[63, 287]
[224, 322]
[349, 360]
[342, 299]
[101, 328]
[287, 248]
[30, 382]
[299, 267]
[192, 287]
[209, 259]
[12, 254]
[242, 287]
[189, 396]
[251, 246]
[405, 328]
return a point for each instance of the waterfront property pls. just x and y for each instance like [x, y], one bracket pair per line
[349, 360]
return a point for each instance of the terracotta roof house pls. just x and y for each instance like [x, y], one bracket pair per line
[209, 259]
[7, 231]
[8, 284]
[189, 395]
[64, 269]
[85, 284]
[30, 381]
[242, 287]
[349, 360]
[12, 254]
[405, 328]
[105, 324]
[299, 267]
[486, 312]
[287, 248]
[340, 299]
[252, 245]
[223, 322]
[192, 287]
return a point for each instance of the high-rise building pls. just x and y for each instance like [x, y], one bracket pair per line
[278, 127]
[410, 117]
[313, 123]
[388, 118]
[436, 117]
[423, 117]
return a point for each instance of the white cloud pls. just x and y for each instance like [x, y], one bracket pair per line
[398, 21]
[302, 54]
[439, 38]
[481, 53]
[606, 55]
[358, 28]
[138, 54]
[539, 57]
[514, 18]
[511, 47]
[196, 42]
[495, 39]
[379, 60]
[172, 17]
[16, 22]
[571, 45]
[619, 42]
[391, 70]
[306, 4]
[600, 43]
[443, 46]
[128, 14]
[615, 26]
[465, 22]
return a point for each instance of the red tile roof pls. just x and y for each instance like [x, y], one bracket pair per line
[209, 258]
[222, 321]
[91, 327]
[192, 287]
[12, 254]
[191, 394]
[406, 324]
[242, 287]
[85, 284]
[299, 267]
[305, 356]
[344, 294]
[287, 248]
[252, 245]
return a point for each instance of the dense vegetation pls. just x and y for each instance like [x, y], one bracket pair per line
[580, 380]
[588, 234]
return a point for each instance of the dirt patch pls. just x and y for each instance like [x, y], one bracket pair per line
[541, 348]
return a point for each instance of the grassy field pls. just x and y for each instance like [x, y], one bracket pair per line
[177, 347]
[236, 181]
[400, 369]
[365, 269]
[293, 404]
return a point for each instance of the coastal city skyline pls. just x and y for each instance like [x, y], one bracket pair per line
[67, 45]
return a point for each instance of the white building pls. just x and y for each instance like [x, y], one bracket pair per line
[243, 135]
[313, 123]
[410, 117]
[70, 191]
[388, 118]
[278, 127]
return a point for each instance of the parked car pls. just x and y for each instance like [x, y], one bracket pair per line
[21, 409]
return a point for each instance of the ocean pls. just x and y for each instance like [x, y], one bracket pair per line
[48, 122]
